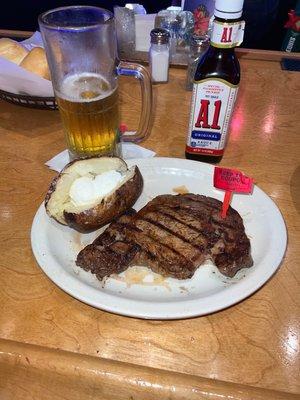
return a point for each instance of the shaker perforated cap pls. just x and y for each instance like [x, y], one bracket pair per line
[228, 9]
[159, 36]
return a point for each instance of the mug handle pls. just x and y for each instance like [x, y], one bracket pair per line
[141, 73]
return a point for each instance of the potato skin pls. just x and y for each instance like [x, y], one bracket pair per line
[112, 207]
[52, 188]
[49, 193]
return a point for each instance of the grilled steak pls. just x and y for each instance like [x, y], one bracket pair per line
[173, 235]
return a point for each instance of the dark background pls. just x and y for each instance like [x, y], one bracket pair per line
[265, 19]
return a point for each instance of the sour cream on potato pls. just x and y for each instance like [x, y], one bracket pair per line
[87, 189]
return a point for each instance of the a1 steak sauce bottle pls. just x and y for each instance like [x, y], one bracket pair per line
[215, 85]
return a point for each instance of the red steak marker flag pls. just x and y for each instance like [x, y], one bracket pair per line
[231, 180]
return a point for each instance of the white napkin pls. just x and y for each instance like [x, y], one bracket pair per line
[15, 79]
[129, 150]
[143, 26]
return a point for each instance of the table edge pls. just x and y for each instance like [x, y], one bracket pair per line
[112, 379]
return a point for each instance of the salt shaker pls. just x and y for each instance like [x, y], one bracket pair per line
[159, 55]
[198, 46]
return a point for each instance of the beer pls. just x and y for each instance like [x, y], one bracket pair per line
[215, 87]
[88, 107]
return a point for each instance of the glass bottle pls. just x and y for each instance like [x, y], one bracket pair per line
[215, 87]
[198, 46]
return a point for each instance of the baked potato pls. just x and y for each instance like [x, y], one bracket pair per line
[89, 193]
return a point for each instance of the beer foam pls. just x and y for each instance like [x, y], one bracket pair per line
[85, 87]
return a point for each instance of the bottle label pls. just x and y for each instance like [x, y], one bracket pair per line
[227, 34]
[212, 106]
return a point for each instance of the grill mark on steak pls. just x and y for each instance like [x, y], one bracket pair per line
[192, 223]
[108, 253]
[206, 209]
[134, 229]
[172, 235]
[152, 245]
[190, 202]
[106, 261]
[175, 244]
[222, 224]
[212, 225]
[206, 229]
[173, 232]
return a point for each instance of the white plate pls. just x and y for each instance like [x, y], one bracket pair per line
[55, 248]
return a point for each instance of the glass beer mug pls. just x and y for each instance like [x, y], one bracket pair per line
[81, 50]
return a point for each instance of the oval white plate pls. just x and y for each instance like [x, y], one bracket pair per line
[55, 248]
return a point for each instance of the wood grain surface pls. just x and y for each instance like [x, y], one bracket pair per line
[57, 374]
[254, 343]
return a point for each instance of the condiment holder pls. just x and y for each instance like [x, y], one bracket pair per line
[159, 55]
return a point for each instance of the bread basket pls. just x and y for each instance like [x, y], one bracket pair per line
[24, 74]
[44, 103]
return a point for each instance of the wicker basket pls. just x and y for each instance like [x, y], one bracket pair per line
[45, 103]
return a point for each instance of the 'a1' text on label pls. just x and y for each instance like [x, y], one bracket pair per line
[212, 106]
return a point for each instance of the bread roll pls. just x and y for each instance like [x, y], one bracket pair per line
[12, 50]
[36, 62]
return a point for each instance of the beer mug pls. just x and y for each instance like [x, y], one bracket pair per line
[81, 50]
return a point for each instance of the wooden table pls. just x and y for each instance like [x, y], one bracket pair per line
[55, 347]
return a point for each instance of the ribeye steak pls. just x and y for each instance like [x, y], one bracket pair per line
[173, 235]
